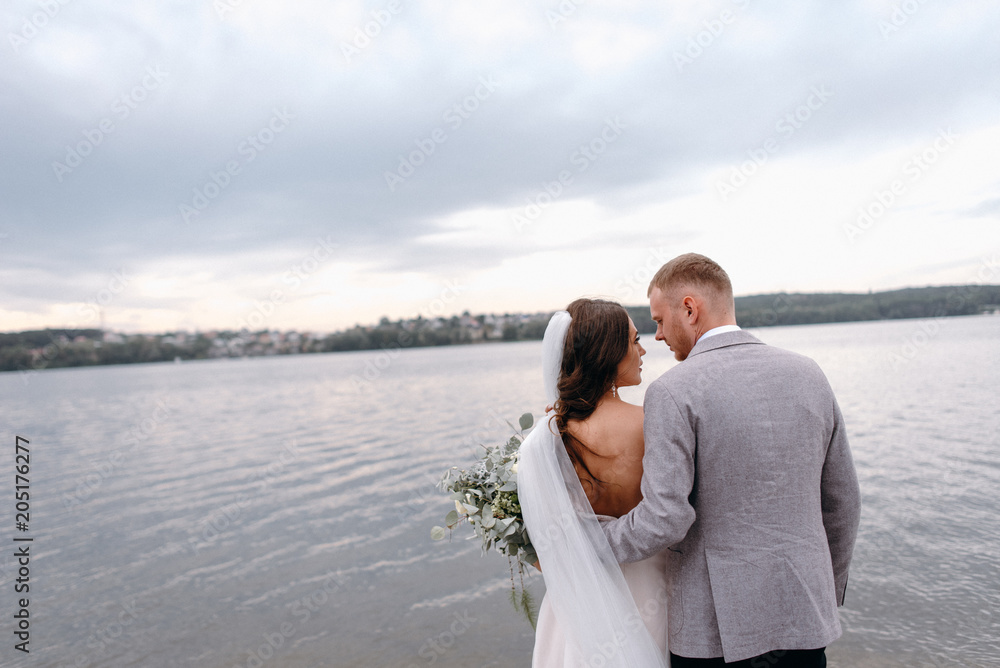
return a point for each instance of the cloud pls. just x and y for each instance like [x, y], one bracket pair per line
[397, 126]
[989, 208]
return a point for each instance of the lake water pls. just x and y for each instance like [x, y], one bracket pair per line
[276, 512]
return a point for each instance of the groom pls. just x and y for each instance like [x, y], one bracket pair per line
[748, 480]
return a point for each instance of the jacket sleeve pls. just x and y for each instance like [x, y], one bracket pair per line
[841, 502]
[665, 514]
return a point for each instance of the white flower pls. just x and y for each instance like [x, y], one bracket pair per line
[513, 468]
[460, 508]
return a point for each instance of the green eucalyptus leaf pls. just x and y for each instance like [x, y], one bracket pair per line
[486, 493]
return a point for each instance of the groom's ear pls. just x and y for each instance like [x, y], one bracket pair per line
[690, 305]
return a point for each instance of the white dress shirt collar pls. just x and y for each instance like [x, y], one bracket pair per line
[719, 330]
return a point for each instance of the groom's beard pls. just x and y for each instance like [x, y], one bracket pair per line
[678, 346]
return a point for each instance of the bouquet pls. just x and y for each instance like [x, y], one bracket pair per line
[486, 496]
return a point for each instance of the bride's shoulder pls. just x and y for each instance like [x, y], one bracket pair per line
[626, 414]
[614, 423]
[631, 420]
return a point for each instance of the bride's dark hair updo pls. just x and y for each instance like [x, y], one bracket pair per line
[596, 341]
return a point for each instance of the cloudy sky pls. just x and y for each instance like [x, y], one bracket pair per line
[312, 165]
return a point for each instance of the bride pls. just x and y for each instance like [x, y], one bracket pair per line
[582, 463]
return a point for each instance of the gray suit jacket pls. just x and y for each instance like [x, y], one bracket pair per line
[748, 480]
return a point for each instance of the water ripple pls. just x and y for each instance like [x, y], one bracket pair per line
[227, 498]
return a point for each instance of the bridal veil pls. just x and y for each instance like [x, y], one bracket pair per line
[584, 583]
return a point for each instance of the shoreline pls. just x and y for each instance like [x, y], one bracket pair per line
[395, 348]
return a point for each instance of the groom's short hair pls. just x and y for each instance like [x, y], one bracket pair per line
[693, 269]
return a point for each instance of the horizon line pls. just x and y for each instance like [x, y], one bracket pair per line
[492, 313]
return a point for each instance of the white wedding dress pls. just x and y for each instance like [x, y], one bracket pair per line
[648, 585]
[595, 612]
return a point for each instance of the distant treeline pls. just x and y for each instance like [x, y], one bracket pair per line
[54, 348]
[51, 348]
[806, 309]
[803, 309]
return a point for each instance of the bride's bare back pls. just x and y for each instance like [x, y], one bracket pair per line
[614, 432]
